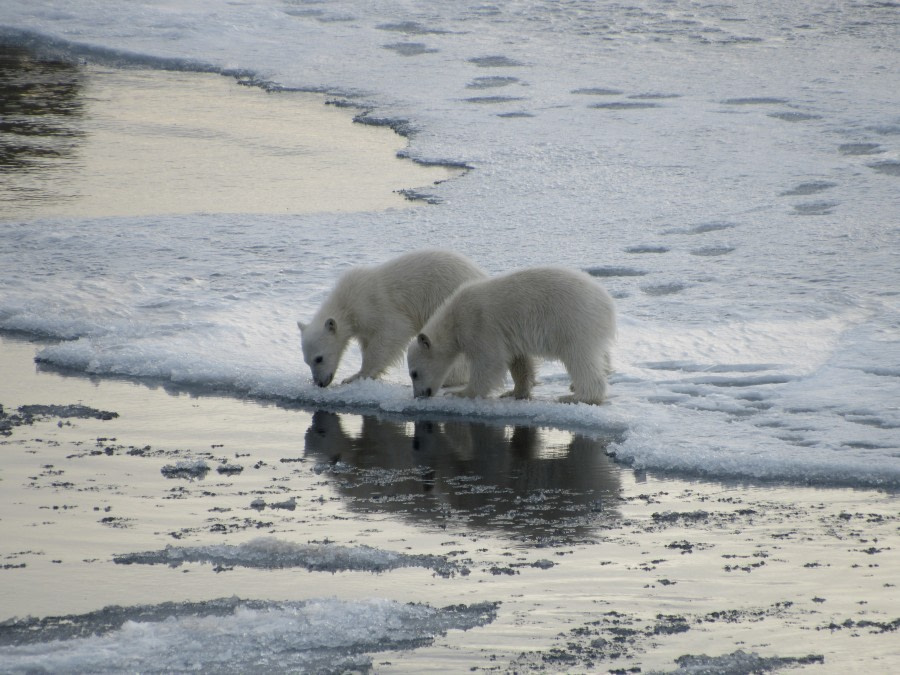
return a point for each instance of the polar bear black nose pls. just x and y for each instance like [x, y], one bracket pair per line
[428, 391]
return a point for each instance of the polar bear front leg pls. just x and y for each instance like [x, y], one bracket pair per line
[485, 375]
[378, 353]
[459, 373]
[522, 370]
[374, 363]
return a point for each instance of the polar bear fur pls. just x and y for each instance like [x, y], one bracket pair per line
[505, 322]
[382, 307]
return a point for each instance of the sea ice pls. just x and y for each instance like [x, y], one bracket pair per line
[229, 635]
[696, 164]
[272, 553]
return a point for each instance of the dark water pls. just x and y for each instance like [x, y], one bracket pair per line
[318, 541]
[41, 124]
[524, 482]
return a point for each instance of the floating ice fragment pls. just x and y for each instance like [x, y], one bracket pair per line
[229, 469]
[74, 410]
[740, 662]
[543, 564]
[186, 468]
[288, 504]
[272, 553]
[231, 635]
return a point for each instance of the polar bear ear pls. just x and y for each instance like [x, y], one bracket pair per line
[331, 325]
[302, 326]
[424, 341]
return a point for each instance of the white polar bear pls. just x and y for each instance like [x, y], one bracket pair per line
[502, 323]
[383, 307]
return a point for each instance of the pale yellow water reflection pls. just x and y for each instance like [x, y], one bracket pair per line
[144, 142]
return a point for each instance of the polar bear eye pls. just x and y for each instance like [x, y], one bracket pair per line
[414, 374]
[318, 359]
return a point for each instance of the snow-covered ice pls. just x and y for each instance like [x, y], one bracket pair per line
[726, 170]
[231, 635]
[272, 553]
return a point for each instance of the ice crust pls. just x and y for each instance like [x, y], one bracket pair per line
[272, 553]
[229, 635]
[739, 663]
[741, 223]
[186, 468]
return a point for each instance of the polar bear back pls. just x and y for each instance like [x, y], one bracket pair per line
[541, 311]
[409, 287]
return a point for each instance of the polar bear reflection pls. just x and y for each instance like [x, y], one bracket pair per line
[536, 484]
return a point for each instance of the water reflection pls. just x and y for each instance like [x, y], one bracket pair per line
[41, 106]
[540, 485]
[81, 140]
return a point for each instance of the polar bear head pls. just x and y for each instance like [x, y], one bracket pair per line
[322, 348]
[429, 365]
[326, 438]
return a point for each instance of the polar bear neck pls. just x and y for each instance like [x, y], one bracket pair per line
[344, 300]
[443, 324]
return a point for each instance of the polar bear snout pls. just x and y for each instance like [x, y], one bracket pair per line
[324, 381]
[427, 392]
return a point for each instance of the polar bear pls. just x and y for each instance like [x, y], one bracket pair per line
[504, 322]
[382, 307]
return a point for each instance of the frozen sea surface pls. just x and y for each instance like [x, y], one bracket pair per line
[229, 635]
[727, 171]
[270, 553]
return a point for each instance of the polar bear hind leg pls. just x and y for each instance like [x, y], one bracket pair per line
[588, 379]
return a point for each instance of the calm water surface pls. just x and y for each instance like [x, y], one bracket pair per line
[85, 141]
